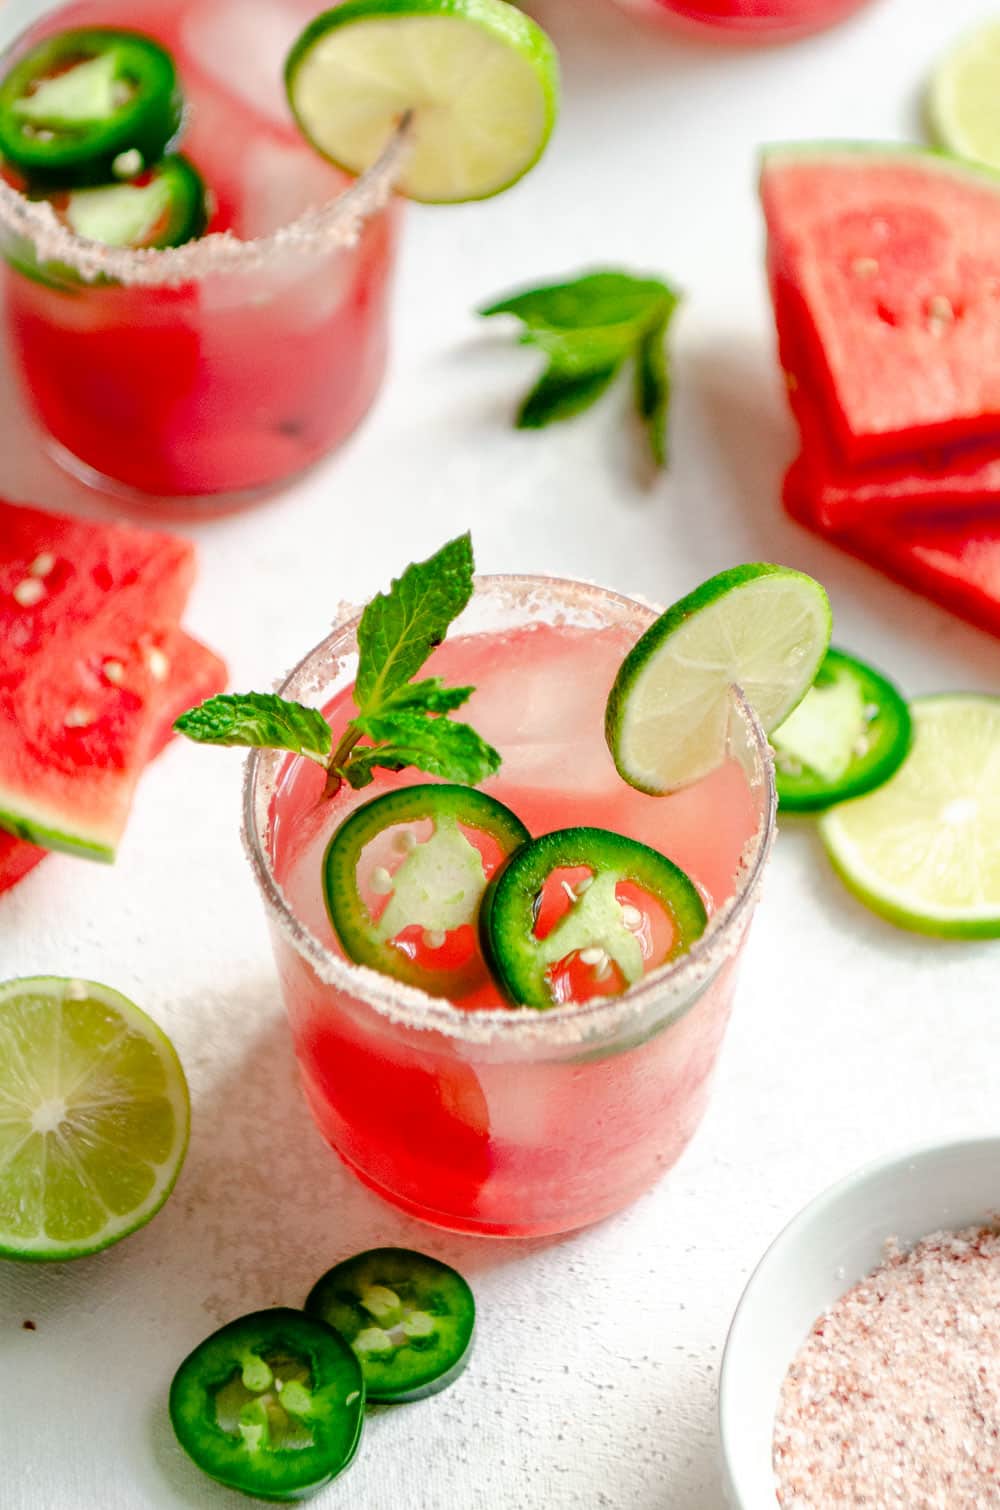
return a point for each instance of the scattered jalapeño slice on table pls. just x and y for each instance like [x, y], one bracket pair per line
[847, 736]
[272, 1404]
[409, 1318]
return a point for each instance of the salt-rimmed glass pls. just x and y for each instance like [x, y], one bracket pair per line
[214, 371]
[503, 1121]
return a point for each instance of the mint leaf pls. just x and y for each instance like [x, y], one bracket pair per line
[258, 719]
[430, 696]
[438, 746]
[610, 297]
[400, 628]
[588, 327]
[585, 350]
[559, 395]
[652, 389]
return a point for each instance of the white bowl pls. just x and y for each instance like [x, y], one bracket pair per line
[826, 1249]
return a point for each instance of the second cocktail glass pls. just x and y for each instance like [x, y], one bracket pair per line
[214, 371]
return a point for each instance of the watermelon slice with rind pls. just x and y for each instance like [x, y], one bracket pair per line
[893, 255]
[195, 673]
[89, 616]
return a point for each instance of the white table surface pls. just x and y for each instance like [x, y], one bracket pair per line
[594, 1382]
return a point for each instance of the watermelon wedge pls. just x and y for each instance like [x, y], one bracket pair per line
[929, 482]
[886, 266]
[89, 617]
[954, 560]
[196, 673]
[960, 484]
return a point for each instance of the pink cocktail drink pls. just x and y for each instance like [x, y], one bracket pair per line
[475, 1115]
[214, 372]
[747, 20]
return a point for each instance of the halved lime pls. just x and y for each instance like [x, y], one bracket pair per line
[849, 733]
[760, 627]
[479, 79]
[94, 1118]
[963, 100]
[924, 849]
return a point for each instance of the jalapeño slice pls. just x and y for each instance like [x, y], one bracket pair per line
[272, 1404]
[596, 929]
[83, 101]
[164, 207]
[849, 734]
[408, 1317]
[425, 932]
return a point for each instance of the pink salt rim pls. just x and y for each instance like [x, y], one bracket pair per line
[333, 226]
[661, 998]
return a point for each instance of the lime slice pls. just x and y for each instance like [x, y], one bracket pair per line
[94, 1118]
[479, 79]
[963, 102]
[924, 849]
[763, 628]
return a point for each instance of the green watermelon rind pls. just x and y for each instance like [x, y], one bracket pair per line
[825, 152]
[47, 837]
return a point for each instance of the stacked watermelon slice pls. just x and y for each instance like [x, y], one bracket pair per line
[884, 265]
[94, 668]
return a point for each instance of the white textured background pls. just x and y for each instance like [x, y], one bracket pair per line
[594, 1381]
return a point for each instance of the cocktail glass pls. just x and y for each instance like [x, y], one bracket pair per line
[213, 372]
[486, 1118]
[747, 20]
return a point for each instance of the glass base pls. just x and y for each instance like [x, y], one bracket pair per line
[180, 506]
[469, 1227]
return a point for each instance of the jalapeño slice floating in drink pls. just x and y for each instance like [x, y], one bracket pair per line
[79, 102]
[405, 901]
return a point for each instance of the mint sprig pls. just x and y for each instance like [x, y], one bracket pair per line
[400, 722]
[261, 719]
[588, 328]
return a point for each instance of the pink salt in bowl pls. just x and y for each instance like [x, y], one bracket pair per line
[831, 1245]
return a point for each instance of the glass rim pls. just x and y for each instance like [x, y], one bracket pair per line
[408, 1006]
[332, 226]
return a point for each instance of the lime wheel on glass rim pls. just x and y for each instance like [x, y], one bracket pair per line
[477, 81]
[763, 628]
